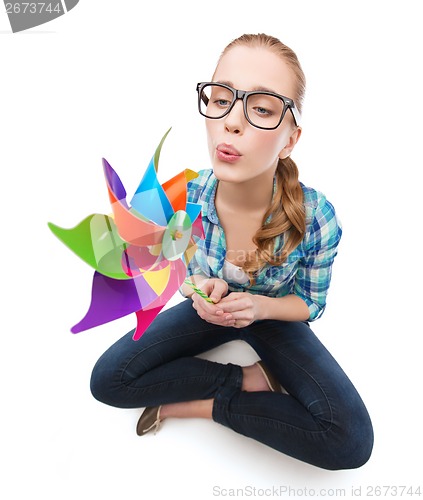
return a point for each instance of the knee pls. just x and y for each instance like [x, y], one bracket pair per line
[352, 444]
[101, 384]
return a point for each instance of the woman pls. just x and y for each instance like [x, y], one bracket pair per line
[266, 264]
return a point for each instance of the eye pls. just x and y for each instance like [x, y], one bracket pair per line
[220, 97]
[264, 105]
[222, 102]
[263, 111]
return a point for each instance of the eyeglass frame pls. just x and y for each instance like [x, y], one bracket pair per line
[243, 95]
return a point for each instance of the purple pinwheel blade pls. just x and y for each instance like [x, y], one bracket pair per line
[112, 299]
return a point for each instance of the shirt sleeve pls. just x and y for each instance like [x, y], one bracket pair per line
[194, 190]
[195, 269]
[315, 268]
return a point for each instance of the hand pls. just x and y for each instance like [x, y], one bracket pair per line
[243, 306]
[212, 313]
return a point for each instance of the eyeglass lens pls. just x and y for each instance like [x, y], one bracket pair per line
[263, 110]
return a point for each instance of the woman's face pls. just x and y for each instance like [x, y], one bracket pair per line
[239, 151]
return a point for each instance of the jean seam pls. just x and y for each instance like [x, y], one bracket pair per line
[280, 353]
[279, 423]
[220, 408]
[177, 382]
[124, 368]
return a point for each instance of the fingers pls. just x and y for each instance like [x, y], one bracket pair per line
[210, 312]
[220, 289]
[215, 289]
[241, 306]
[236, 309]
[236, 301]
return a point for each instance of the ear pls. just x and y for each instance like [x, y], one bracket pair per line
[293, 139]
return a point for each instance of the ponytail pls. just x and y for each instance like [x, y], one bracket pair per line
[287, 217]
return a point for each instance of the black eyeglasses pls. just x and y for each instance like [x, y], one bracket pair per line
[262, 109]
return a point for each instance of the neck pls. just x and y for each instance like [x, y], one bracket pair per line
[251, 196]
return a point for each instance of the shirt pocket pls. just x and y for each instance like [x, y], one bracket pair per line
[276, 277]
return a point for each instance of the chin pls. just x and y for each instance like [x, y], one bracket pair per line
[224, 172]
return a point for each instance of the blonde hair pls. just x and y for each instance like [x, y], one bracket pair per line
[287, 209]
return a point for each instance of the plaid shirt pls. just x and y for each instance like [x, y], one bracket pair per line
[307, 270]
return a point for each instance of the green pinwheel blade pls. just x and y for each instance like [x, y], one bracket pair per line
[158, 150]
[96, 241]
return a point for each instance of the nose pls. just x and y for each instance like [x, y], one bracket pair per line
[235, 119]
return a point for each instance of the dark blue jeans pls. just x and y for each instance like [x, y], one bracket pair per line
[322, 420]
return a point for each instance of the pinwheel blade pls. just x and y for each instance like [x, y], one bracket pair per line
[144, 320]
[177, 273]
[133, 228]
[96, 241]
[176, 189]
[140, 254]
[113, 299]
[150, 198]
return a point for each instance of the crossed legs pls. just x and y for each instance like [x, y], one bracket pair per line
[321, 421]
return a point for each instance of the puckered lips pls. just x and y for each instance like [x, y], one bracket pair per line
[227, 153]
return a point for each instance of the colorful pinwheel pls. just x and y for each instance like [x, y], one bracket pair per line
[141, 253]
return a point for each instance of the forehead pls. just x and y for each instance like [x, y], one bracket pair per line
[248, 68]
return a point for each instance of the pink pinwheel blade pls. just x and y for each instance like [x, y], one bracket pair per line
[197, 229]
[177, 275]
[144, 320]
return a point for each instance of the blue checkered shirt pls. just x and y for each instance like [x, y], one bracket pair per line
[307, 270]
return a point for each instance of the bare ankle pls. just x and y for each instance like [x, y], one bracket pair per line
[253, 379]
[189, 409]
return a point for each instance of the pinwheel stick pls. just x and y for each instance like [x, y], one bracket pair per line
[197, 290]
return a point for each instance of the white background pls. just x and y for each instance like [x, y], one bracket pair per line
[107, 80]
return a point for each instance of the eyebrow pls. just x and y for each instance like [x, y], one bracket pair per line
[259, 88]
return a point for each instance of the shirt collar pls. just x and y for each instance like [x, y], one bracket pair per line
[211, 195]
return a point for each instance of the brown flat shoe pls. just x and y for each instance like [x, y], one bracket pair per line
[149, 420]
[271, 380]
